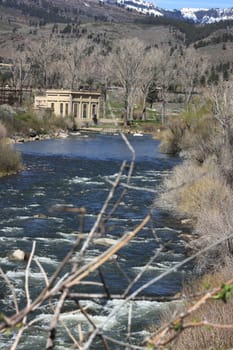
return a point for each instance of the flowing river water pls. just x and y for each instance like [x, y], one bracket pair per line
[75, 172]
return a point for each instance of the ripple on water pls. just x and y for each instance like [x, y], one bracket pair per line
[9, 229]
[66, 175]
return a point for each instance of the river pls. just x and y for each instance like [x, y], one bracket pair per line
[75, 172]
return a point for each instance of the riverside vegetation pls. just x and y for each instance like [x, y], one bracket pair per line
[10, 160]
[22, 124]
[201, 188]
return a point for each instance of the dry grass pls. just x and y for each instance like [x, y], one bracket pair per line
[10, 160]
[199, 192]
[2, 131]
[214, 311]
[183, 177]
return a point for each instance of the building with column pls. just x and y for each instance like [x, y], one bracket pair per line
[81, 105]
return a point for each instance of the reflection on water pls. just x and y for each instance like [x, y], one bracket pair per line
[74, 172]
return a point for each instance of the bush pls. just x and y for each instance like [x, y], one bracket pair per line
[214, 311]
[176, 187]
[198, 191]
[10, 160]
[194, 132]
[2, 131]
[172, 136]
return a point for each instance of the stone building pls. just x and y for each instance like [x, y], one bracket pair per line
[82, 105]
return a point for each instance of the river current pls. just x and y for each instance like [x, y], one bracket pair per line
[75, 172]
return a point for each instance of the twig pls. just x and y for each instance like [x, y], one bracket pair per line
[152, 281]
[121, 270]
[93, 324]
[104, 283]
[102, 213]
[157, 339]
[125, 344]
[137, 188]
[27, 274]
[104, 296]
[23, 327]
[11, 287]
[53, 325]
[101, 259]
[129, 323]
[207, 323]
[139, 275]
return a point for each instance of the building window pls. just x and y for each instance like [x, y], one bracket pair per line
[75, 110]
[84, 110]
[66, 109]
[61, 108]
[94, 110]
[52, 106]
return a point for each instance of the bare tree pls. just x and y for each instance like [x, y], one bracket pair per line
[221, 97]
[129, 64]
[149, 76]
[190, 68]
[21, 70]
[166, 76]
[75, 58]
[43, 55]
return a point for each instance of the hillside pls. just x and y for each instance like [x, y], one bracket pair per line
[102, 23]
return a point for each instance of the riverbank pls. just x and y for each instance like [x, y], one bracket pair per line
[64, 134]
[10, 159]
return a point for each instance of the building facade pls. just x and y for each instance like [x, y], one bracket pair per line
[81, 105]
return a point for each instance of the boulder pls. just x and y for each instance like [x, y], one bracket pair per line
[19, 255]
[40, 216]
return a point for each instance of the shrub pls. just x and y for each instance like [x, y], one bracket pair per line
[182, 178]
[193, 132]
[215, 311]
[198, 191]
[23, 122]
[2, 131]
[10, 160]
[171, 137]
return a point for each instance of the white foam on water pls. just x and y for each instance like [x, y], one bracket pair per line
[21, 273]
[23, 217]
[17, 208]
[46, 260]
[15, 274]
[113, 176]
[51, 240]
[7, 221]
[78, 179]
[125, 219]
[96, 183]
[98, 320]
[36, 275]
[157, 172]
[39, 194]
[157, 267]
[8, 229]
[4, 260]
[5, 239]
[60, 220]
[58, 240]
[166, 228]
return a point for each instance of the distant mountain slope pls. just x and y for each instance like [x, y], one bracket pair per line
[207, 15]
[110, 10]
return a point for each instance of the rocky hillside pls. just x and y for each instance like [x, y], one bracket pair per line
[34, 20]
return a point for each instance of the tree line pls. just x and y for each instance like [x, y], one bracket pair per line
[142, 71]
